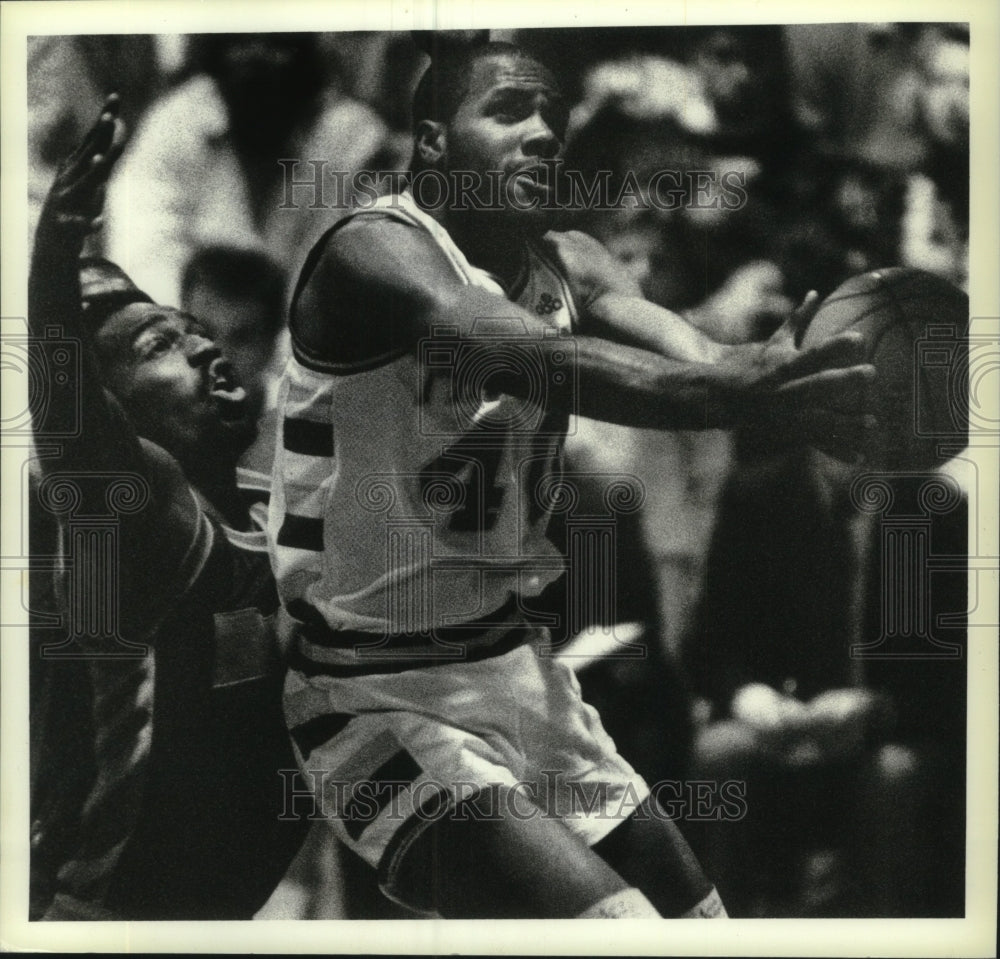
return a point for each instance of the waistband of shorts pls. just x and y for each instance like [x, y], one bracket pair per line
[317, 650]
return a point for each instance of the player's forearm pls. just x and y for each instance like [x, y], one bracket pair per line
[639, 388]
[101, 441]
[607, 380]
[637, 322]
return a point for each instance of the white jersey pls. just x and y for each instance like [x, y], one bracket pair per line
[406, 497]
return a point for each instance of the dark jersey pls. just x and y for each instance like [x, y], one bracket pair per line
[188, 755]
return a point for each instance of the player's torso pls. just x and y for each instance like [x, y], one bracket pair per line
[409, 496]
[182, 818]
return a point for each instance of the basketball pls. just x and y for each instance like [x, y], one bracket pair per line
[915, 326]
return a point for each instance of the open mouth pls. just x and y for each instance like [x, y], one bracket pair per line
[535, 178]
[226, 391]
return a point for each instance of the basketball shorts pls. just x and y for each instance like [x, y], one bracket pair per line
[388, 754]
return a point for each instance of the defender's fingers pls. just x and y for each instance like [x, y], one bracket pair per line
[96, 175]
[848, 389]
[844, 349]
[98, 138]
[802, 315]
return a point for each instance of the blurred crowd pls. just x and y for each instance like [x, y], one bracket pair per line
[745, 577]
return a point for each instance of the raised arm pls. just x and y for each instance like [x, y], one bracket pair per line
[153, 541]
[394, 284]
[71, 211]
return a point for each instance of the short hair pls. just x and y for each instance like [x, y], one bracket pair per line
[105, 288]
[238, 272]
[445, 82]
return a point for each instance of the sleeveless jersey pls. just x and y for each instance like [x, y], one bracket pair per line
[407, 496]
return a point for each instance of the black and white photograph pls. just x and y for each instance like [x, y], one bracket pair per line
[465, 465]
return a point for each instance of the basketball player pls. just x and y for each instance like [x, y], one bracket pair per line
[180, 818]
[440, 346]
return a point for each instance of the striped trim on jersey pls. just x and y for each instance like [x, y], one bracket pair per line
[308, 441]
[340, 499]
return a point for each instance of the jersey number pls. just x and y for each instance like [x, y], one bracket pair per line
[475, 467]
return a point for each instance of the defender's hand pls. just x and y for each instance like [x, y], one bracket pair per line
[73, 206]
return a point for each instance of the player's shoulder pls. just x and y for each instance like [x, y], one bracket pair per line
[573, 243]
[586, 263]
[363, 287]
[169, 486]
[365, 244]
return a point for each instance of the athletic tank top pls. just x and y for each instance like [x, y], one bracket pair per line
[407, 497]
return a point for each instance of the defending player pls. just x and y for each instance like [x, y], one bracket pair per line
[440, 347]
[181, 817]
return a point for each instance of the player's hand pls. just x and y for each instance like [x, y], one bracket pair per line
[74, 203]
[821, 396]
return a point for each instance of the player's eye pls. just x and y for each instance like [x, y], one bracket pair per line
[196, 329]
[151, 345]
[511, 111]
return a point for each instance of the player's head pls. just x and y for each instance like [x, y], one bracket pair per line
[268, 81]
[943, 102]
[495, 112]
[165, 369]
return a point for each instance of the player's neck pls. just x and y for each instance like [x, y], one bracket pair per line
[488, 245]
[220, 496]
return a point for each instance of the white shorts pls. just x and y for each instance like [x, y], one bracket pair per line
[387, 754]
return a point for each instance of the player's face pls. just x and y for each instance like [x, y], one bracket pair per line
[511, 120]
[945, 92]
[175, 384]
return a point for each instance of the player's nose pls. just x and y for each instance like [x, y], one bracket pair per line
[200, 349]
[540, 139]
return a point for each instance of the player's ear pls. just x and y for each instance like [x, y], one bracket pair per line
[431, 139]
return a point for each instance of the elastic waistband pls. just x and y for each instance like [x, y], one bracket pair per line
[317, 650]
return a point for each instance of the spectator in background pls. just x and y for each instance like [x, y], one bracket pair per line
[854, 767]
[241, 294]
[935, 228]
[203, 166]
[68, 78]
[854, 89]
[884, 177]
[712, 268]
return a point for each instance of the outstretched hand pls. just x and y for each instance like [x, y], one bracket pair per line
[821, 396]
[75, 201]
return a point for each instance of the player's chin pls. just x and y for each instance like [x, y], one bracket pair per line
[233, 433]
[529, 221]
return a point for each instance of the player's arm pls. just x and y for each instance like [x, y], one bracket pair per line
[374, 275]
[71, 211]
[153, 541]
[612, 307]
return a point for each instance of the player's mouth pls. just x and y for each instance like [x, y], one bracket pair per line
[536, 179]
[225, 390]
